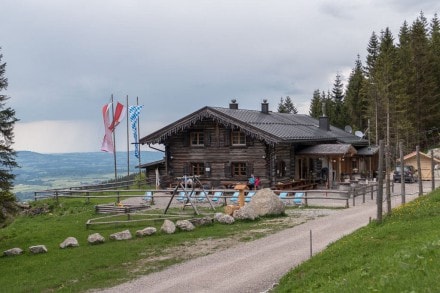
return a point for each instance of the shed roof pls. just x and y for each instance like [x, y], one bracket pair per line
[328, 150]
[271, 127]
[413, 154]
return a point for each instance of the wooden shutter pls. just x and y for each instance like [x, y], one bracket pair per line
[227, 137]
[207, 138]
[249, 169]
[186, 169]
[186, 138]
[228, 170]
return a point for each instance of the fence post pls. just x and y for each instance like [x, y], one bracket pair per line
[354, 195]
[56, 196]
[364, 189]
[305, 199]
[372, 191]
[88, 196]
[117, 199]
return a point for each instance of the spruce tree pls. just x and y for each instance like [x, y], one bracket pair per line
[7, 154]
[287, 106]
[316, 105]
[339, 118]
[354, 99]
[424, 101]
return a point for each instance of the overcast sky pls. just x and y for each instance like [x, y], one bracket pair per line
[66, 58]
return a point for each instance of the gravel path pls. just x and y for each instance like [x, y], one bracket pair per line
[256, 266]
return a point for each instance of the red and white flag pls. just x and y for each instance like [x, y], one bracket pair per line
[119, 115]
[107, 142]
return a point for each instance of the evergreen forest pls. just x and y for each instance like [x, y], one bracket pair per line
[394, 94]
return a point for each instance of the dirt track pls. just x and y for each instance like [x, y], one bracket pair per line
[256, 266]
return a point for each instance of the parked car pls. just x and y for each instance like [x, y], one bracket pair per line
[409, 173]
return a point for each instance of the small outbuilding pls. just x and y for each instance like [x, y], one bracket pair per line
[425, 164]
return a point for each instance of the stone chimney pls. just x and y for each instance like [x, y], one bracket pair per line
[265, 107]
[233, 104]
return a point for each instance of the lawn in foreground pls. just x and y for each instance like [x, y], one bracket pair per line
[400, 255]
[94, 266]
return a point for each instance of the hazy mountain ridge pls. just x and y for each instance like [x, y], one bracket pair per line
[45, 171]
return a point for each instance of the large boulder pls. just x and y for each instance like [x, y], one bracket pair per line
[13, 251]
[146, 232]
[37, 249]
[95, 238]
[69, 242]
[168, 227]
[266, 202]
[123, 235]
[185, 225]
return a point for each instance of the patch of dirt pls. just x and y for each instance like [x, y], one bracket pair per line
[207, 246]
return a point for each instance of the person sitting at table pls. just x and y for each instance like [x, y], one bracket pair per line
[251, 182]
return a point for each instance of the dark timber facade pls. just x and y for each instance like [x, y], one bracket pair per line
[230, 144]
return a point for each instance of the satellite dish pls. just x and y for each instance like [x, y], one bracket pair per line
[359, 134]
[348, 129]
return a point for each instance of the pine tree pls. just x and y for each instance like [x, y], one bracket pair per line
[339, 118]
[316, 105]
[404, 71]
[287, 106]
[281, 106]
[385, 77]
[7, 154]
[355, 103]
[424, 100]
[373, 52]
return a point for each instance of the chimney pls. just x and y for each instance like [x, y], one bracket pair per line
[324, 123]
[323, 120]
[233, 104]
[265, 107]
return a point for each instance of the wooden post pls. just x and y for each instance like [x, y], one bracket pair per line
[380, 183]
[241, 188]
[353, 191]
[372, 191]
[419, 170]
[387, 176]
[432, 171]
[402, 181]
[364, 190]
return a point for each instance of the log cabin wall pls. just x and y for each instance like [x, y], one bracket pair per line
[217, 156]
[283, 163]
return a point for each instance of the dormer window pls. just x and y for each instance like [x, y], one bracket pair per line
[197, 138]
[238, 138]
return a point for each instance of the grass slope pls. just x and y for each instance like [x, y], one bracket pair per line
[94, 266]
[400, 255]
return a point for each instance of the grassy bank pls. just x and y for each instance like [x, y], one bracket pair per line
[93, 266]
[400, 255]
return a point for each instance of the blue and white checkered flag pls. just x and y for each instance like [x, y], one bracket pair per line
[133, 112]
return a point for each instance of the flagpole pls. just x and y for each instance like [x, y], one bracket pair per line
[128, 140]
[138, 145]
[114, 143]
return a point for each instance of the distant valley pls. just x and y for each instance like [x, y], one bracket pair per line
[46, 171]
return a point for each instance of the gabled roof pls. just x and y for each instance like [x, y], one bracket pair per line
[270, 127]
[328, 150]
[413, 154]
